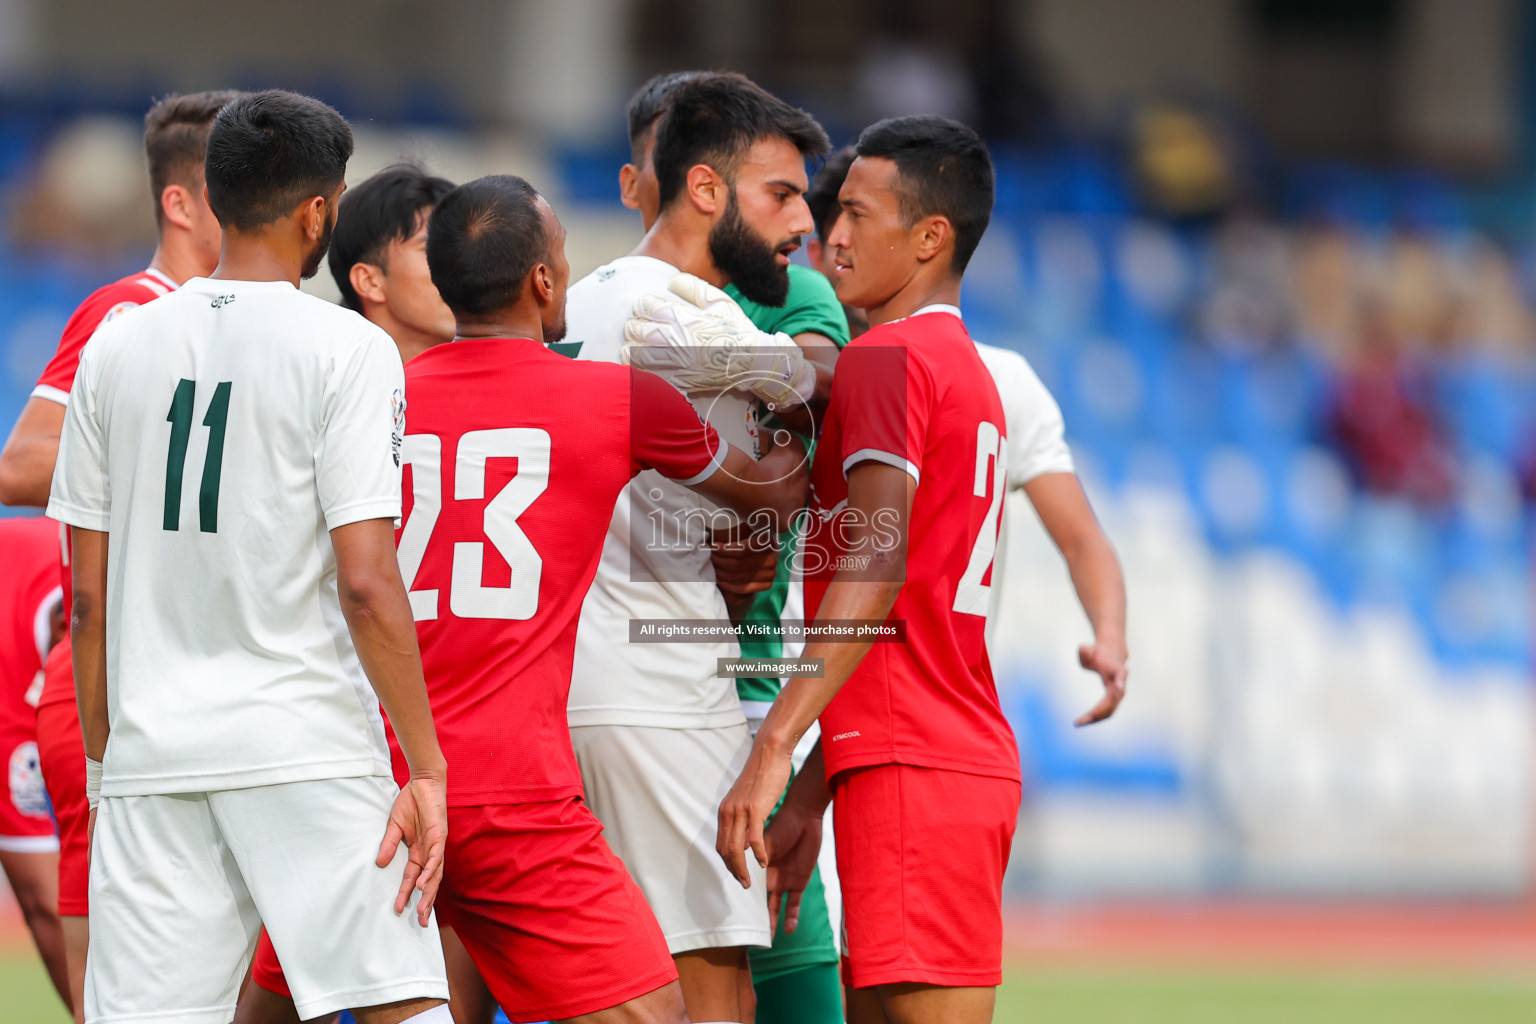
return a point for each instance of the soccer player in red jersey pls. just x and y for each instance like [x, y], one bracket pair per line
[509, 499]
[31, 622]
[175, 141]
[920, 764]
[378, 259]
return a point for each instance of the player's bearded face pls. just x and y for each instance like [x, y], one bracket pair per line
[322, 245]
[555, 330]
[747, 258]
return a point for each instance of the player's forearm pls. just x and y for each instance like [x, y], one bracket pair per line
[385, 637]
[809, 793]
[821, 353]
[26, 469]
[1064, 511]
[88, 637]
[803, 699]
[1100, 586]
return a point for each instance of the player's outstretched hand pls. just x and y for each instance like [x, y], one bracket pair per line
[419, 819]
[1109, 662]
[794, 843]
[746, 807]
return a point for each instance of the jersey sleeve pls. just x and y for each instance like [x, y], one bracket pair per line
[667, 434]
[81, 493]
[362, 427]
[885, 398]
[101, 307]
[1037, 442]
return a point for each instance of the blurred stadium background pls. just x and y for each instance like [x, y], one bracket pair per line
[1277, 261]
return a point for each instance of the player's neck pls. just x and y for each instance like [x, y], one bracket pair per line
[686, 249]
[175, 259]
[256, 258]
[410, 341]
[913, 296]
[513, 322]
[414, 343]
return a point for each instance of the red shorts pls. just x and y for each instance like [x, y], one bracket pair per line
[26, 825]
[547, 912]
[62, 753]
[921, 854]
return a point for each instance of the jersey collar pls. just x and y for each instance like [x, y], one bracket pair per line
[158, 276]
[937, 307]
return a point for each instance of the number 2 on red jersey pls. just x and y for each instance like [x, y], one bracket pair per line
[972, 595]
[468, 597]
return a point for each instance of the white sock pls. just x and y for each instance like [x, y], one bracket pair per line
[437, 1015]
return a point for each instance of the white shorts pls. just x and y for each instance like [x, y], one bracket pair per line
[181, 884]
[657, 792]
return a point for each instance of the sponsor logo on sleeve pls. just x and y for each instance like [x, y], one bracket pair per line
[118, 310]
[397, 437]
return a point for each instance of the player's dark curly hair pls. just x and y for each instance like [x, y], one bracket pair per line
[714, 119]
[270, 151]
[483, 239]
[389, 207]
[649, 102]
[176, 139]
[821, 197]
[944, 169]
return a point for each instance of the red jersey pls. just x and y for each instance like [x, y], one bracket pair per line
[100, 306]
[58, 378]
[516, 459]
[30, 548]
[915, 394]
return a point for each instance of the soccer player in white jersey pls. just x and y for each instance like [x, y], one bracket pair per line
[1039, 464]
[236, 445]
[658, 737]
[378, 259]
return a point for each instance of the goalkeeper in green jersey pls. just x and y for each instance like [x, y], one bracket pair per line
[796, 981]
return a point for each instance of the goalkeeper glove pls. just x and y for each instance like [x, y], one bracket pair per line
[701, 340]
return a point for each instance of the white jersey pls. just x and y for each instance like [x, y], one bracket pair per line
[1036, 436]
[655, 563]
[218, 434]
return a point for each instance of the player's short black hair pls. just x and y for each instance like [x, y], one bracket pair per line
[650, 101]
[944, 168]
[714, 119]
[821, 197]
[176, 139]
[270, 151]
[483, 239]
[389, 207]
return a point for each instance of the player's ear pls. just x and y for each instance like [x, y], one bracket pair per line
[367, 280]
[176, 205]
[932, 234]
[705, 189]
[312, 217]
[629, 186]
[542, 280]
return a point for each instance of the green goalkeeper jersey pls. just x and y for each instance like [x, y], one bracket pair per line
[811, 307]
